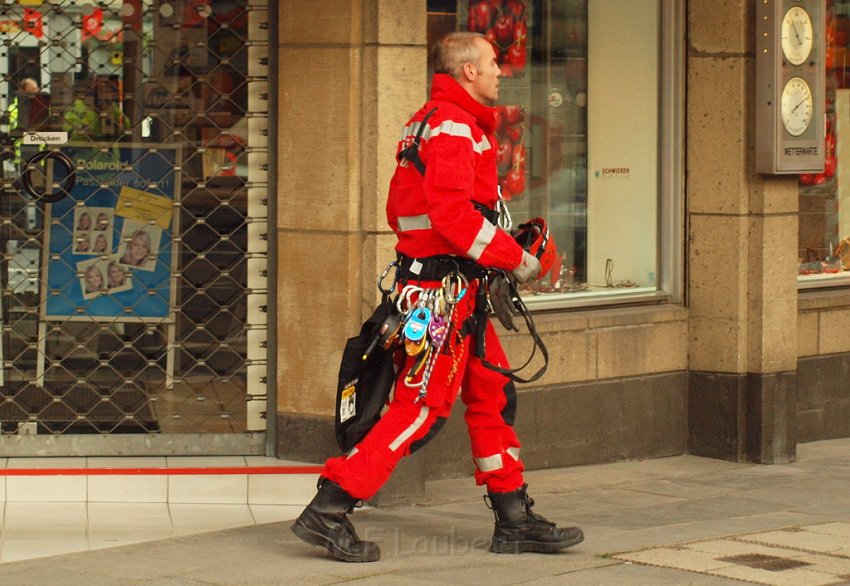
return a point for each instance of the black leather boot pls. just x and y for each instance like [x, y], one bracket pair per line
[519, 529]
[325, 523]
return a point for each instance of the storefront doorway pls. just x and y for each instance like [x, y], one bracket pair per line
[133, 224]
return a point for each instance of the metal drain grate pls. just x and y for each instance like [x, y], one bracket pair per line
[764, 562]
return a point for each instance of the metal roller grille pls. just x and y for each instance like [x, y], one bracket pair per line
[165, 110]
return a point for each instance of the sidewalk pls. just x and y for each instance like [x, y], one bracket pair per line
[646, 522]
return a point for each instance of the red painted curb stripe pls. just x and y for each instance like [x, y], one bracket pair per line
[160, 471]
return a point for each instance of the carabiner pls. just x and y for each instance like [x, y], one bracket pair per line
[383, 276]
[405, 296]
[454, 287]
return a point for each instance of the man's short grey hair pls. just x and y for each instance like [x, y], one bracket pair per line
[449, 54]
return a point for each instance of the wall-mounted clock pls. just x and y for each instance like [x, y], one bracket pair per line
[790, 83]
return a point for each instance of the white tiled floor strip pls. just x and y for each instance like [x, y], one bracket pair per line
[54, 514]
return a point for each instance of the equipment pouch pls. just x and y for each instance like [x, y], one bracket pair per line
[366, 377]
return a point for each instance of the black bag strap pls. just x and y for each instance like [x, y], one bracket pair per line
[480, 316]
[411, 153]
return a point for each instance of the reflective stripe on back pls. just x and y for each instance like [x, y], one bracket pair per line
[450, 128]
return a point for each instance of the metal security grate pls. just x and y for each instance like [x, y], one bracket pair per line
[133, 280]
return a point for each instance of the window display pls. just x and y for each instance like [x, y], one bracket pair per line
[824, 234]
[578, 132]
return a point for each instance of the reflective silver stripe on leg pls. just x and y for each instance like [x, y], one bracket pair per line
[489, 463]
[411, 429]
[482, 240]
[513, 453]
[353, 452]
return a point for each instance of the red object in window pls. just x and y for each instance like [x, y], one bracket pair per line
[32, 23]
[92, 23]
[515, 180]
[504, 156]
[197, 12]
[131, 14]
[504, 23]
[516, 57]
[511, 155]
[511, 114]
[521, 33]
[503, 29]
[517, 8]
[830, 161]
[480, 15]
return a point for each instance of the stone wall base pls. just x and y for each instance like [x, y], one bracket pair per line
[743, 417]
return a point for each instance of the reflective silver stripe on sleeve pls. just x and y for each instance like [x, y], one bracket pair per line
[513, 453]
[353, 452]
[482, 240]
[489, 463]
[421, 222]
[450, 128]
[411, 429]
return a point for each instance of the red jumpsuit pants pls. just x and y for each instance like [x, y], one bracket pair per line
[410, 422]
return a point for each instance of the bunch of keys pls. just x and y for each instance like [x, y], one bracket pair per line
[453, 289]
[427, 327]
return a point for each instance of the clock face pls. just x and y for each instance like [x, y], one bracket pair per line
[797, 37]
[797, 106]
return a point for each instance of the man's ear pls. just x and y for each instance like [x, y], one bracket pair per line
[469, 71]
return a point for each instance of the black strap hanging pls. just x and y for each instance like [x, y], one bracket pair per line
[411, 152]
[479, 324]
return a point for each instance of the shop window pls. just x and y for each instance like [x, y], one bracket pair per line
[824, 229]
[133, 299]
[588, 114]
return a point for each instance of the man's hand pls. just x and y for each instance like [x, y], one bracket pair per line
[528, 269]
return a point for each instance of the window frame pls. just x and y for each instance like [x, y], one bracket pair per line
[670, 263]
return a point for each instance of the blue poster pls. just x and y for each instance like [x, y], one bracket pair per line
[110, 248]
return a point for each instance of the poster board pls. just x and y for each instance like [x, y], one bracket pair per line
[622, 173]
[110, 254]
[842, 152]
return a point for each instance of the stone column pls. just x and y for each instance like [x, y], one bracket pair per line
[350, 73]
[742, 253]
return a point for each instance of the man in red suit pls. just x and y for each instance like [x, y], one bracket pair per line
[441, 206]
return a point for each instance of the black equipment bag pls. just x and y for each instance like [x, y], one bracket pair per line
[366, 377]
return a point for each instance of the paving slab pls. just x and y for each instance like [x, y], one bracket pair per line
[679, 520]
[812, 555]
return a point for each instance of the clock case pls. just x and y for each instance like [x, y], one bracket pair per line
[777, 151]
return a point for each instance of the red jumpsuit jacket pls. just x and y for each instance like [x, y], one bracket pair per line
[434, 214]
